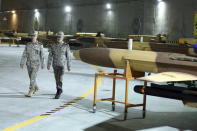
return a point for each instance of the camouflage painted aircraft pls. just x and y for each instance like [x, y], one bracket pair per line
[170, 67]
[153, 44]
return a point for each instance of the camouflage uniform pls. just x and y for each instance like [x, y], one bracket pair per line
[34, 56]
[59, 54]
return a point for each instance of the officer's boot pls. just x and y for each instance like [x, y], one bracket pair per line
[30, 92]
[36, 89]
[58, 94]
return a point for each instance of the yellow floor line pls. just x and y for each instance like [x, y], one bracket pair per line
[30, 121]
[24, 123]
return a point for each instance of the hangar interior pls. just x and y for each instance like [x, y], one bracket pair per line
[147, 17]
[74, 110]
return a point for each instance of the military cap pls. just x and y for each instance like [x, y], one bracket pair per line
[60, 34]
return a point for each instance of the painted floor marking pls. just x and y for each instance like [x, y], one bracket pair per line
[30, 121]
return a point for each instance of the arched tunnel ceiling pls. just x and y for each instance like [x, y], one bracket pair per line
[42, 4]
[52, 3]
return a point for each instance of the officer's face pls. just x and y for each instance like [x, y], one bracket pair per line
[60, 39]
[34, 38]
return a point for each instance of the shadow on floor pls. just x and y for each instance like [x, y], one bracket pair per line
[173, 120]
[160, 120]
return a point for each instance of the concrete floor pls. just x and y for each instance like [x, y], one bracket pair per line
[162, 114]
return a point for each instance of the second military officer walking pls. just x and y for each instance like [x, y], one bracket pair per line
[33, 55]
[59, 53]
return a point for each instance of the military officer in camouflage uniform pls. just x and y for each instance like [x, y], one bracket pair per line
[34, 57]
[59, 53]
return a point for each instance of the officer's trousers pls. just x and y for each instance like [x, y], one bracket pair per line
[32, 71]
[58, 73]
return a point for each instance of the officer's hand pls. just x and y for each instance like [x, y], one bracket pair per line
[42, 67]
[68, 68]
[21, 66]
[48, 67]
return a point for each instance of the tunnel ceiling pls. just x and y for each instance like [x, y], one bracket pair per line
[42, 4]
